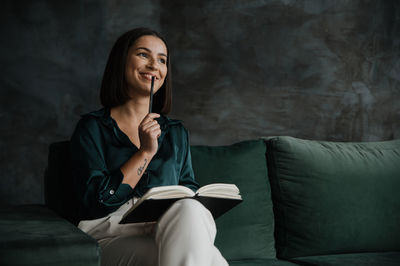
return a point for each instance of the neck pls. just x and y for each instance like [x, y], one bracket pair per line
[133, 110]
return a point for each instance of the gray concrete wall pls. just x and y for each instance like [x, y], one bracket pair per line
[314, 69]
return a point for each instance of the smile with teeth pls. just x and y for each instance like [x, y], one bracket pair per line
[148, 76]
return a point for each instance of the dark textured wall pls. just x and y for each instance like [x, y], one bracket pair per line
[321, 69]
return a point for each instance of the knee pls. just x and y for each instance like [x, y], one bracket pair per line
[189, 210]
[187, 217]
[190, 204]
[192, 208]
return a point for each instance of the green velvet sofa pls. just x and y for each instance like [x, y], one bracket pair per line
[304, 203]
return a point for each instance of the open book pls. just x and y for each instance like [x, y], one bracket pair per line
[217, 198]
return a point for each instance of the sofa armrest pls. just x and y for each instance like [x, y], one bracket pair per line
[35, 235]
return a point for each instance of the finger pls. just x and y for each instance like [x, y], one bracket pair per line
[149, 124]
[156, 133]
[153, 115]
[146, 120]
[152, 128]
[150, 117]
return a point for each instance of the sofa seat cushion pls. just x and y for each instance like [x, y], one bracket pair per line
[334, 198]
[35, 235]
[261, 262]
[246, 231]
[354, 259]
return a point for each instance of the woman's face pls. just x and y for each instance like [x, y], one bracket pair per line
[147, 57]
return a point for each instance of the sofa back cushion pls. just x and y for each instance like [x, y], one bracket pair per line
[58, 185]
[334, 197]
[247, 230]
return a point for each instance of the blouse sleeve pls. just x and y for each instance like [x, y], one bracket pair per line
[98, 188]
[187, 175]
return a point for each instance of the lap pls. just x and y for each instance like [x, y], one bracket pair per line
[129, 250]
[136, 244]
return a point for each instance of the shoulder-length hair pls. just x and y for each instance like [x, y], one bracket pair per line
[114, 90]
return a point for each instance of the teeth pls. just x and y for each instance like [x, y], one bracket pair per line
[148, 76]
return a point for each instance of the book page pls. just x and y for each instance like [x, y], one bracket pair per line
[167, 192]
[220, 190]
[218, 198]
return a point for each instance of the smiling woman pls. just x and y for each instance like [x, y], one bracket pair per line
[146, 58]
[121, 151]
[113, 90]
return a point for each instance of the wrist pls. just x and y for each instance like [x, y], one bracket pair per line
[145, 154]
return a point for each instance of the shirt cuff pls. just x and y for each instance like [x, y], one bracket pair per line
[116, 193]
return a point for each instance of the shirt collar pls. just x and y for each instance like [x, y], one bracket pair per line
[104, 116]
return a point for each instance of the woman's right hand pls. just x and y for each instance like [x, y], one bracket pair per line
[149, 131]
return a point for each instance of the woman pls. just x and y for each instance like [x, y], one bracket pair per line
[121, 151]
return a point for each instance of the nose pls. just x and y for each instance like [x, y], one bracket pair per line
[152, 63]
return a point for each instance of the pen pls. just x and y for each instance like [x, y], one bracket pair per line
[151, 94]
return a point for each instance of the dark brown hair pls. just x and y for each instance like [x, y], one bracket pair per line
[114, 90]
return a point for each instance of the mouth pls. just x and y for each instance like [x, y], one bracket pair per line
[148, 76]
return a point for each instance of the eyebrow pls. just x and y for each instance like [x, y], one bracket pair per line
[148, 50]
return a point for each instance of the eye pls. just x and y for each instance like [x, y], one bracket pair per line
[142, 55]
[162, 61]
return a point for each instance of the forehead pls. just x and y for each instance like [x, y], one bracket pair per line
[155, 44]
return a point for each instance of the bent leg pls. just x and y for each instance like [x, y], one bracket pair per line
[185, 236]
[129, 250]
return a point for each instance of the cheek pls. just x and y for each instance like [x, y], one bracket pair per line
[128, 69]
[164, 74]
[129, 75]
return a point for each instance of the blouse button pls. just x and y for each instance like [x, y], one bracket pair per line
[111, 192]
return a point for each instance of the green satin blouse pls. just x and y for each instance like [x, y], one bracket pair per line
[98, 150]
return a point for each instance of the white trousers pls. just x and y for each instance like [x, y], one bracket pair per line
[184, 236]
